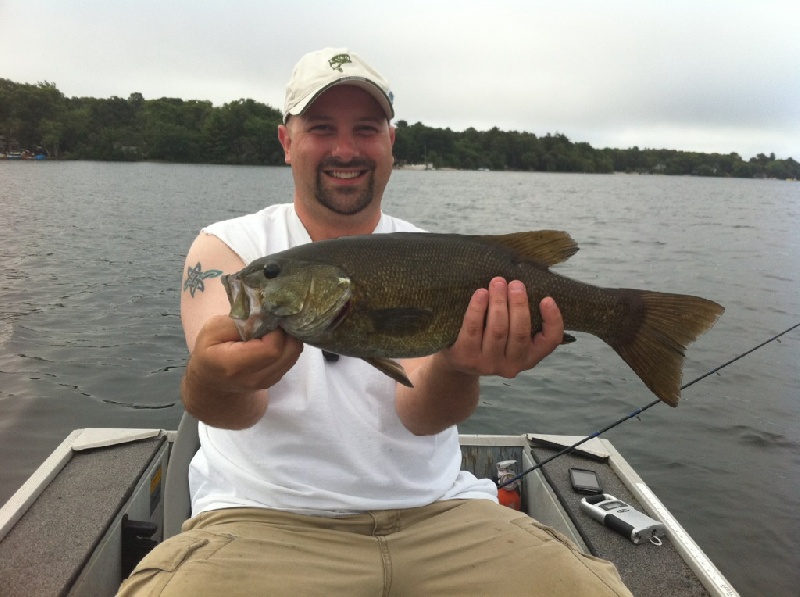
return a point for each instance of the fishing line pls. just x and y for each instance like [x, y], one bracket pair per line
[639, 411]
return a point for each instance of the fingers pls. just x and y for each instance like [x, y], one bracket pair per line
[495, 335]
[552, 322]
[256, 364]
[492, 315]
[519, 332]
[218, 329]
[552, 332]
[470, 337]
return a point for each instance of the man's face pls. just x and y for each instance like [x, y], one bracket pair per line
[340, 151]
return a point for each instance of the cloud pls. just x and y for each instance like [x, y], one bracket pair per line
[712, 76]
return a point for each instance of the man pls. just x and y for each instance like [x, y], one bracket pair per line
[323, 477]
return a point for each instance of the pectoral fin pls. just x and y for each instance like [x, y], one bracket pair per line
[401, 321]
[391, 368]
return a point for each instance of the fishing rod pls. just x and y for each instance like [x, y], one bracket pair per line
[639, 411]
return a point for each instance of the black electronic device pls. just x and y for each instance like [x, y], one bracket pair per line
[584, 481]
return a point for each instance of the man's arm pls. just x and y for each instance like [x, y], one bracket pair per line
[495, 339]
[226, 380]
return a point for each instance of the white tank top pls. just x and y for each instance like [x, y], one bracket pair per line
[330, 442]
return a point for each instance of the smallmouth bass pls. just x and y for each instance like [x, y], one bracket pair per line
[404, 294]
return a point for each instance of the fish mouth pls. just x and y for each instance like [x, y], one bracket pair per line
[245, 310]
[257, 310]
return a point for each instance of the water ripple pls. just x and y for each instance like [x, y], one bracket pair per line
[90, 331]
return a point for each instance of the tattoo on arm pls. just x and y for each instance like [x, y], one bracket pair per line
[195, 276]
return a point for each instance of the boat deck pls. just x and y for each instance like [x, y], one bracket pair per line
[61, 533]
[46, 550]
[636, 563]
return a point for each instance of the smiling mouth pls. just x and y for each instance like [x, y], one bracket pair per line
[351, 170]
[345, 175]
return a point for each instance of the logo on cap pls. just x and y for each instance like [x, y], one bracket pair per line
[337, 61]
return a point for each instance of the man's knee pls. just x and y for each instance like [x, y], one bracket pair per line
[159, 567]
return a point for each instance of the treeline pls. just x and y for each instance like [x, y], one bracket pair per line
[168, 129]
[500, 150]
[41, 119]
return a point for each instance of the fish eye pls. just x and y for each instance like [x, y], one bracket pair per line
[272, 270]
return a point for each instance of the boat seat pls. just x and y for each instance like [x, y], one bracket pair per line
[177, 502]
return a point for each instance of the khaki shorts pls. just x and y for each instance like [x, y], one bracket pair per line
[458, 547]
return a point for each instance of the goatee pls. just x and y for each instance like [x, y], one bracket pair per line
[345, 201]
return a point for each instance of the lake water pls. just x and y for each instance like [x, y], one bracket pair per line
[90, 332]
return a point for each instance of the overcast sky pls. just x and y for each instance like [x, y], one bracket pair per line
[697, 75]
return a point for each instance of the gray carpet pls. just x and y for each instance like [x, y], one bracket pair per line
[46, 550]
[636, 563]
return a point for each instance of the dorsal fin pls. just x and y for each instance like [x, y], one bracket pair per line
[543, 246]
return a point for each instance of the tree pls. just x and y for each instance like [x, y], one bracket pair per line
[244, 132]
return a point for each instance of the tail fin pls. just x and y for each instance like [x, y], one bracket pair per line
[667, 324]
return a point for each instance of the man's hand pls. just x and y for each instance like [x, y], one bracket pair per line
[225, 361]
[225, 380]
[495, 338]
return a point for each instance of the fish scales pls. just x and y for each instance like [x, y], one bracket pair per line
[400, 295]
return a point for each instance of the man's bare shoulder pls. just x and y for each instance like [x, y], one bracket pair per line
[202, 292]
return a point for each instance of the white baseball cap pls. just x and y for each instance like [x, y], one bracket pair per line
[317, 72]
